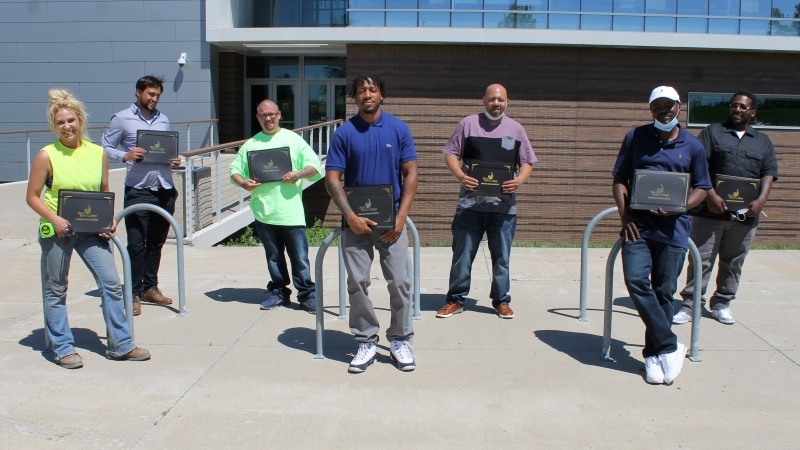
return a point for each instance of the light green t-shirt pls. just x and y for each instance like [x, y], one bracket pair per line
[278, 203]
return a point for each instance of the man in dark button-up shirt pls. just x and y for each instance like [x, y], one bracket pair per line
[719, 229]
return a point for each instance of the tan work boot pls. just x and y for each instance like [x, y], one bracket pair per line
[137, 354]
[137, 305]
[154, 295]
[72, 361]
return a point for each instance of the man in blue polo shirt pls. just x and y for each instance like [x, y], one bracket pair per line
[374, 148]
[656, 241]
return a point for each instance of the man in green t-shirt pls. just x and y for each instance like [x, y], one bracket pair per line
[278, 206]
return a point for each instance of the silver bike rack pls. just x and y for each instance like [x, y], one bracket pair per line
[126, 264]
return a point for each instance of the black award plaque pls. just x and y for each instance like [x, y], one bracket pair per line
[653, 189]
[161, 146]
[490, 176]
[269, 165]
[373, 202]
[87, 212]
[737, 192]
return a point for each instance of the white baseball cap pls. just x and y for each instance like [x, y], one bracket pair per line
[664, 92]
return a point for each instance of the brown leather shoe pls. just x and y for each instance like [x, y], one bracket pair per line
[449, 309]
[137, 354]
[73, 361]
[504, 311]
[137, 305]
[154, 295]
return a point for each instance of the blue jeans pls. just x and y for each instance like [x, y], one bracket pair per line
[468, 227]
[292, 240]
[651, 274]
[96, 254]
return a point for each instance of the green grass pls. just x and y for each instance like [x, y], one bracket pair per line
[247, 236]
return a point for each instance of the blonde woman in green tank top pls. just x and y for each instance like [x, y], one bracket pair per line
[72, 162]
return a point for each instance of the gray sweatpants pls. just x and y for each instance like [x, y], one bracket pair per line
[728, 240]
[358, 253]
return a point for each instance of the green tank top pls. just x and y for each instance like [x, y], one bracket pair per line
[79, 169]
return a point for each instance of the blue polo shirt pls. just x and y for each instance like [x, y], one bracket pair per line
[370, 154]
[642, 149]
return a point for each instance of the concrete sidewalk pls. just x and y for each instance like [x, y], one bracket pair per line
[228, 375]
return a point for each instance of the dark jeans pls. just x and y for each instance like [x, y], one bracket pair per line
[468, 227]
[651, 274]
[291, 239]
[147, 232]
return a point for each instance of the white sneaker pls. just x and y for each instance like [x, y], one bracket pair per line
[724, 315]
[672, 363]
[403, 355]
[654, 373]
[681, 318]
[364, 357]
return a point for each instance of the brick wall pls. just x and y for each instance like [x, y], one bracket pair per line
[576, 105]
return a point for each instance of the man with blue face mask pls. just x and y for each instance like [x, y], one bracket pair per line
[656, 241]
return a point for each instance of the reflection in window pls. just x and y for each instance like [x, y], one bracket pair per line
[628, 6]
[273, 67]
[565, 21]
[774, 111]
[661, 7]
[367, 3]
[783, 28]
[628, 23]
[597, 6]
[566, 5]
[434, 19]
[592, 22]
[434, 4]
[659, 24]
[694, 7]
[366, 19]
[755, 27]
[324, 67]
[401, 4]
[494, 5]
[756, 8]
[723, 8]
[690, 25]
[723, 26]
[467, 4]
[467, 20]
[401, 19]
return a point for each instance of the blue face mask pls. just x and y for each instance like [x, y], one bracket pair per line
[667, 127]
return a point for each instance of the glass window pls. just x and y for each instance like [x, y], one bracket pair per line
[596, 6]
[693, 7]
[628, 23]
[401, 4]
[276, 13]
[755, 27]
[565, 22]
[723, 7]
[692, 25]
[660, 24]
[434, 4]
[324, 67]
[495, 5]
[532, 5]
[467, 20]
[273, 67]
[785, 8]
[774, 111]
[592, 22]
[756, 8]
[661, 7]
[434, 19]
[401, 19]
[565, 5]
[365, 19]
[723, 26]
[367, 4]
[467, 4]
[628, 6]
[783, 28]
[532, 21]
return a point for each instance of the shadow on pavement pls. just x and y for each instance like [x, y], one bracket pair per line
[253, 296]
[337, 345]
[85, 339]
[587, 349]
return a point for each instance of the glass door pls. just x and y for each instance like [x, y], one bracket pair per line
[284, 93]
[325, 100]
